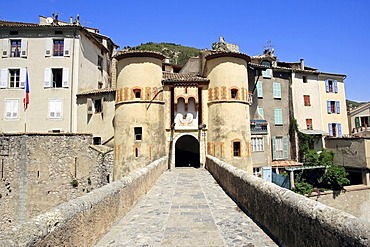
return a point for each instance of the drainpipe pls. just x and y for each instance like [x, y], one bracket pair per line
[71, 120]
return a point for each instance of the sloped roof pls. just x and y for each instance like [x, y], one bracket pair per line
[139, 53]
[217, 54]
[16, 24]
[97, 91]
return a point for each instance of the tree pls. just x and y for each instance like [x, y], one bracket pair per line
[326, 158]
[311, 158]
[336, 177]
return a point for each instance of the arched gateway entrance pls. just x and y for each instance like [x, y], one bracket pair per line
[187, 152]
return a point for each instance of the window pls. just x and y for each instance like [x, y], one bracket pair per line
[58, 47]
[137, 93]
[236, 149]
[276, 86]
[335, 129]
[97, 140]
[11, 108]
[278, 113]
[57, 75]
[266, 63]
[304, 78]
[331, 86]
[14, 78]
[98, 105]
[259, 89]
[261, 111]
[234, 93]
[267, 73]
[55, 108]
[279, 147]
[15, 50]
[100, 63]
[333, 106]
[309, 123]
[257, 144]
[306, 99]
[138, 133]
[257, 171]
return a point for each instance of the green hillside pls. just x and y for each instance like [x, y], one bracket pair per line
[177, 54]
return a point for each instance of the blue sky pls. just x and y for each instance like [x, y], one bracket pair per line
[333, 36]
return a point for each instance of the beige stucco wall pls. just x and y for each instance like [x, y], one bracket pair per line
[339, 96]
[144, 73]
[228, 119]
[302, 112]
[83, 74]
[99, 124]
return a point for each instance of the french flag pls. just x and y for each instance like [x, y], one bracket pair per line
[26, 99]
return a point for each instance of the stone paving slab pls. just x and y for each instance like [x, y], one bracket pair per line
[186, 207]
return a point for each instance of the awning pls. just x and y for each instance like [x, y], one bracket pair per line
[314, 132]
[286, 163]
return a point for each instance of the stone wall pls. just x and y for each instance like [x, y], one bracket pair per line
[84, 220]
[37, 171]
[291, 219]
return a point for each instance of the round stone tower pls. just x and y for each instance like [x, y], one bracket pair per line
[139, 131]
[228, 108]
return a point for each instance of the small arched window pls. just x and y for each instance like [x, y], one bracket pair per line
[234, 93]
[137, 93]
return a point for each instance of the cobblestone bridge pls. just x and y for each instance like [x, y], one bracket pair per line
[186, 207]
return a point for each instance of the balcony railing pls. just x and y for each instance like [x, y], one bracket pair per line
[259, 126]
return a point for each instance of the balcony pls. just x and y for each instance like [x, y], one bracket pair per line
[258, 127]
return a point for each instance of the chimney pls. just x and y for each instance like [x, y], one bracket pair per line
[302, 63]
[70, 20]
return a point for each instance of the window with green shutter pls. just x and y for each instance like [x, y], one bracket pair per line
[278, 114]
[259, 89]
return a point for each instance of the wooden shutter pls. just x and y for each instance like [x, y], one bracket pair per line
[259, 89]
[339, 130]
[261, 112]
[102, 104]
[335, 86]
[278, 116]
[285, 144]
[357, 122]
[276, 87]
[5, 48]
[329, 106]
[337, 104]
[273, 141]
[330, 129]
[58, 109]
[327, 85]
[51, 108]
[22, 78]
[67, 47]
[49, 47]
[24, 46]
[65, 77]
[4, 78]
[47, 77]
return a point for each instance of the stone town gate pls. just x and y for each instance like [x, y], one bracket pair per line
[186, 151]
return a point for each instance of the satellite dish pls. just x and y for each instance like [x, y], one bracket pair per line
[49, 20]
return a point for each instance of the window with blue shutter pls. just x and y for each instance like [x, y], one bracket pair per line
[339, 129]
[276, 87]
[261, 111]
[278, 116]
[338, 106]
[329, 106]
[285, 143]
[259, 89]
[335, 86]
[330, 129]
[327, 85]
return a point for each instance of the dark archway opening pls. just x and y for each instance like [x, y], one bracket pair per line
[187, 152]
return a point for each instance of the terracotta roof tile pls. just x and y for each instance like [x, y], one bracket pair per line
[216, 54]
[186, 77]
[286, 163]
[15, 23]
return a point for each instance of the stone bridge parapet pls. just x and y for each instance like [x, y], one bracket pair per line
[83, 221]
[291, 219]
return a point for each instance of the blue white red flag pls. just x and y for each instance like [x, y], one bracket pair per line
[26, 99]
